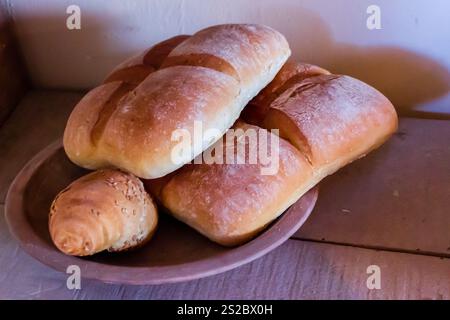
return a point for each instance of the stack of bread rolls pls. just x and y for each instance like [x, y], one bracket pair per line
[124, 130]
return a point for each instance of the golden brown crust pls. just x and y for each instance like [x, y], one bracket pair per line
[104, 210]
[137, 68]
[292, 72]
[159, 52]
[139, 138]
[133, 74]
[78, 142]
[247, 49]
[208, 78]
[202, 60]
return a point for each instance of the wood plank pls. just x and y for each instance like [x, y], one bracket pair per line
[38, 120]
[13, 77]
[398, 197]
[296, 270]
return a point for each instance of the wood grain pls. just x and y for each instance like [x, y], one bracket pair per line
[38, 120]
[13, 77]
[296, 270]
[398, 197]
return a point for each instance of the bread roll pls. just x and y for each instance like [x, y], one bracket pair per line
[231, 203]
[104, 210]
[289, 74]
[208, 78]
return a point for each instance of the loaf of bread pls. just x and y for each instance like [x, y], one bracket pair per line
[208, 78]
[104, 210]
[231, 202]
[332, 120]
[325, 122]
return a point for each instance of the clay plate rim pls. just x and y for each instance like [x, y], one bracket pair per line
[20, 228]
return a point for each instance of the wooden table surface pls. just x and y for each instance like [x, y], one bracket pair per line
[390, 209]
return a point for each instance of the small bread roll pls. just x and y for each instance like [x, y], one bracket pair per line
[104, 210]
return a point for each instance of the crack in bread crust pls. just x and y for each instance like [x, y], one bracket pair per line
[202, 60]
[108, 109]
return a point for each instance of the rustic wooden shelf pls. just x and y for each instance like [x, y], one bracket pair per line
[396, 198]
[377, 211]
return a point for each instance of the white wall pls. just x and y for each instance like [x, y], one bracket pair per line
[408, 59]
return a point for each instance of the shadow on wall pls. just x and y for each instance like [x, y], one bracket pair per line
[406, 78]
